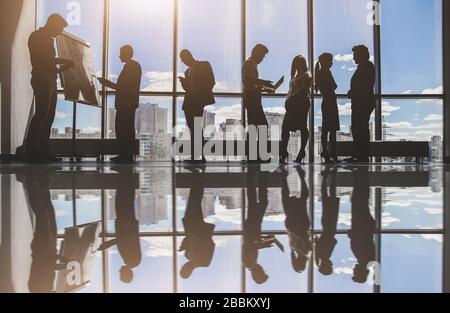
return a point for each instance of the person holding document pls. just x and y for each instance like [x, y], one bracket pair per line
[298, 104]
[127, 102]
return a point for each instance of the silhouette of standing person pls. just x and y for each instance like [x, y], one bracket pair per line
[327, 86]
[326, 243]
[363, 225]
[363, 103]
[45, 64]
[253, 89]
[126, 103]
[298, 104]
[198, 83]
[44, 253]
[198, 245]
[253, 238]
[127, 226]
[297, 222]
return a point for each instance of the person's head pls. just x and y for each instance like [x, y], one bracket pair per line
[326, 268]
[187, 58]
[259, 53]
[299, 66]
[360, 274]
[126, 53]
[299, 262]
[259, 275]
[56, 24]
[325, 62]
[126, 274]
[187, 270]
[360, 54]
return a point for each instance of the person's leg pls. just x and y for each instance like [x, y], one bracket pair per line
[130, 134]
[324, 140]
[44, 136]
[333, 145]
[190, 124]
[199, 118]
[305, 140]
[120, 131]
[42, 101]
[285, 136]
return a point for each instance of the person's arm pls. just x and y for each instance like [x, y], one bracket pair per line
[107, 83]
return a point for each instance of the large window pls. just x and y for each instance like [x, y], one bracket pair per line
[224, 32]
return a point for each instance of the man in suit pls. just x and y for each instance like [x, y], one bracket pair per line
[198, 83]
[363, 103]
[254, 87]
[127, 102]
[41, 45]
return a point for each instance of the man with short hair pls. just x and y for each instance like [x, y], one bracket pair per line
[363, 103]
[45, 66]
[254, 87]
[199, 82]
[127, 101]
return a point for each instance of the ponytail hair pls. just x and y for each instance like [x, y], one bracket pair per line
[319, 67]
[317, 73]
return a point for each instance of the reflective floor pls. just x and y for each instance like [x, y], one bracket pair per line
[224, 228]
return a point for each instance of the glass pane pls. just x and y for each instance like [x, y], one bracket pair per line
[412, 208]
[338, 26]
[343, 269]
[63, 125]
[89, 122]
[283, 27]
[153, 124]
[211, 30]
[411, 43]
[411, 263]
[88, 206]
[153, 273]
[414, 120]
[147, 25]
[222, 275]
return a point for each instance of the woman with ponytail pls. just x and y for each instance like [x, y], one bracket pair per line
[326, 84]
[298, 104]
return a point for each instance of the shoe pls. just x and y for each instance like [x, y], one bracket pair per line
[326, 157]
[284, 159]
[301, 157]
[350, 160]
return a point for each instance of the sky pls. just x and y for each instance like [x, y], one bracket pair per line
[410, 42]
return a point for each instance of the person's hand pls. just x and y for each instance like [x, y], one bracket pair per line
[349, 94]
[269, 84]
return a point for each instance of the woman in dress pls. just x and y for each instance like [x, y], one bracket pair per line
[298, 104]
[326, 84]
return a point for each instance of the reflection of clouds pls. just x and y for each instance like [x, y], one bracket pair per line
[343, 271]
[157, 247]
[433, 211]
[437, 238]
[60, 213]
[388, 220]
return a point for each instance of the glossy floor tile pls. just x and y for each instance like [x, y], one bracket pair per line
[224, 228]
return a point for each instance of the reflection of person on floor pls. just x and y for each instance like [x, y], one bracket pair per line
[198, 245]
[43, 246]
[253, 239]
[326, 243]
[363, 225]
[297, 222]
[127, 226]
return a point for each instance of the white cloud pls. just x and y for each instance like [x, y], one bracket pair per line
[432, 91]
[434, 118]
[433, 211]
[60, 115]
[343, 57]
[434, 237]
[407, 92]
